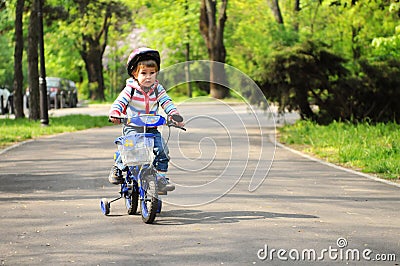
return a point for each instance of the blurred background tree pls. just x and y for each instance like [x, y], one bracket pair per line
[328, 59]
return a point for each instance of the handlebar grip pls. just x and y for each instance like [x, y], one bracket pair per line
[121, 119]
[177, 118]
[174, 125]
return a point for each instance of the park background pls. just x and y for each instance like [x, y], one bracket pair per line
[332, 61]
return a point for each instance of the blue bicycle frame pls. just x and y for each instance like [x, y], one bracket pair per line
[140, 183]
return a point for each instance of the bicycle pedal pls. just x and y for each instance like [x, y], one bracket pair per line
[162, 192]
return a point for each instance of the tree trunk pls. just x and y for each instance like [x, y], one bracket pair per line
[33, 72]
[213, 34]
[274, 4]
[187, 54]
[304, 106]
[297, 5]
[187, 70]
[93, 47]
[18, 74]
[296, 14]
[92, 55]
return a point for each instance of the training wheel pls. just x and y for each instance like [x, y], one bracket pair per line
[105, 206]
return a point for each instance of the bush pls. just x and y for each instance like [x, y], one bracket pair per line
[310, 79]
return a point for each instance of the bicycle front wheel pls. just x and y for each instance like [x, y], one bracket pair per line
[149, 202]
[132, 199]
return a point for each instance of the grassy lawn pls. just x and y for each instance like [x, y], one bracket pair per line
[13, 131]
[367, 148]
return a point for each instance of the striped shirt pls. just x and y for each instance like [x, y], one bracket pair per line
[142, 102]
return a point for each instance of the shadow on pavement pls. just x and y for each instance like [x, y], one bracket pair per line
[184, 217]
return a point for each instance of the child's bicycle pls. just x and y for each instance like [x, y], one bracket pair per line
[140, 183]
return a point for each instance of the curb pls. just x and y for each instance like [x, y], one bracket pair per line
[2, 151]
[15, 146]
[337, 166]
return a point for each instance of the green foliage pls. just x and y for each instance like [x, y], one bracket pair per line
[299, 77]
[347, 26]
[6, 45]
[170, 25]
[389, 46]
[84, 90]
[6, 66]
[314, 81]
[371, 148]
[62, 58]
[17, 130]
[179, 92]
[361, 37]
[377, 94]
[253, 35]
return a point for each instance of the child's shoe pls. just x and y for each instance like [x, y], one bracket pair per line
[163, 183]
[115, 177]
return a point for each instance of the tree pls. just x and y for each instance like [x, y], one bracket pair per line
[212, 30]
[33, 72]
[92, 36]
[358, 31]
[18, 74]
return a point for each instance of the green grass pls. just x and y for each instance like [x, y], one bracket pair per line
[369, 148]
[17, 130]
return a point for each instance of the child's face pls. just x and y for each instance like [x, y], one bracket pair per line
[146, 76]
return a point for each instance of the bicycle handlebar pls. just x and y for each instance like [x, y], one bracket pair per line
[169, 122]
[175, 118]
[176, 126]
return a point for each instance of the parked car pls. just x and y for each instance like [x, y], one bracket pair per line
[61, 93]
[74, 93]
[6, 101]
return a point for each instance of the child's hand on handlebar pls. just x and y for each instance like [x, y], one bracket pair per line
[179, 124]
[114, 120]
[177, 120]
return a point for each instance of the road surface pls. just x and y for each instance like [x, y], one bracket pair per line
[240, 200]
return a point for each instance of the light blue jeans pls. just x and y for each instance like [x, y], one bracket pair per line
[160, 150]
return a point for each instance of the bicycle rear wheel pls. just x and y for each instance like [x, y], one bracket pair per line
[149, 202]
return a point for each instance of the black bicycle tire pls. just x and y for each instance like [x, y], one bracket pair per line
[134, 198]
[149, 214]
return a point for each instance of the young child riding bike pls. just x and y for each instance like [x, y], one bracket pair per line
[143, 95]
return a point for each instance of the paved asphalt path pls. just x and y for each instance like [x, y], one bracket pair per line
[50, 190]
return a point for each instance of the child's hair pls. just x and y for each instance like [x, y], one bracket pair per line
[146, 63]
